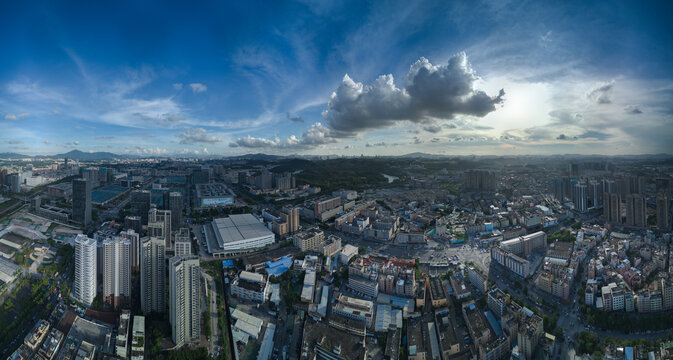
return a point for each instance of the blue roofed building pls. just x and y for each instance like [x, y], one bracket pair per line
[278, 267]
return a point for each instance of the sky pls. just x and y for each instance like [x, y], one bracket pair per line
[339, 77]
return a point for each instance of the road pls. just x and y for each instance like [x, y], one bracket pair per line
[212, 305]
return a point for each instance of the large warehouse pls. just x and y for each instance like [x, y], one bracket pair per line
[237, 234]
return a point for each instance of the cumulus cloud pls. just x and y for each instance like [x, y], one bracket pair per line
[139, 150]
[14, 142]
[177, 86]
[432, 92]
[198, 87]
[316, 135]
[46, 142]
[254, 142]
[197, 135]
[297, 119]
[561, 117]
[596, 135]
[633, 109]
[601, 93]
[75, 142]
[16, 116]
[566, 137]
[432, 128]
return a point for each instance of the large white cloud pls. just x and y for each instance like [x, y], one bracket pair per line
[432, 92]
[197, 135]
[316, 135]
[601, 92]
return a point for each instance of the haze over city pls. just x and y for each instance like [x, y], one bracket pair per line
[346, 78]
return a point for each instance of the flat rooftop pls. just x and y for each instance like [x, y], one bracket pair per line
[240, 227]
[212, 190]
[330, 340]
[8, 267]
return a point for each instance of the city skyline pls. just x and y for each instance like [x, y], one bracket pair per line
[346, 79]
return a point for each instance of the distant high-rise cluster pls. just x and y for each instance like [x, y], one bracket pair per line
[267, 180]
[479, 180]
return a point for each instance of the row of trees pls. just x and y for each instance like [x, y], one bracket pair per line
[589, 343]
[629, 322]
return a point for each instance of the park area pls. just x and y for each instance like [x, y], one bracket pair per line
[27, 301]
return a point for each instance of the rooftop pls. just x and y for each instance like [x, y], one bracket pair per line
[437, 289]
[318, 337]
[8, 267]
[240, 227]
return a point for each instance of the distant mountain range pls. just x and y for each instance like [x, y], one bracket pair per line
[79, 155]
[74, 155]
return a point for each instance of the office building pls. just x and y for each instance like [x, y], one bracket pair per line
[173, 202]
[200, 176]
[134, 257]
[612, 208]
[140, 202]
[84, 285]
[183, 242]
[159, 225]
[580, 197]
[117, 271]
[332, 246]
[153, 275]
[530, 331]
[559, 190]
[250, 286]
[138, 338]
[184, 276]
[636, 210]
[122, 341]
[13, 182]
[292, 219]
[133, 222]
[34, 338]
[354, 309]
[594, 194]
[81, 201]
[663, 211]
[524, 245]
[311, 239]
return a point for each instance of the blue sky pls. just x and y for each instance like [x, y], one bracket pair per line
[219, 78]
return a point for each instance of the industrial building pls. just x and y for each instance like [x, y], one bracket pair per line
[239, 234]
[213, 195]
